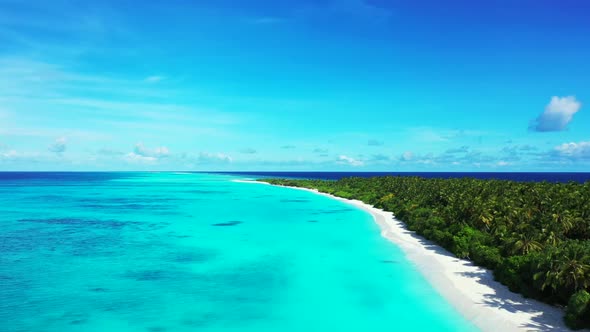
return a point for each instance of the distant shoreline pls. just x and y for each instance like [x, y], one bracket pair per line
[554, 177]
[471, 290]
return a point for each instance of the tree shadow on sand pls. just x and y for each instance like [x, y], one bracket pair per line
[548, 318]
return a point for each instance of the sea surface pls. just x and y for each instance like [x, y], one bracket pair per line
[157, 252]
[513, 176]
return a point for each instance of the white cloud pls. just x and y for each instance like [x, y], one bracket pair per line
[407, 156]
[162, 151]
[59, 146]
[427, 160]
[206, 157]
[141, 154]
[153, 79]
[349, 160]
[27, 158]
[11, 154]
[140, 150]
[135, 158]
[502, 163]
[580, 150]
[558, 114]
[157, 153]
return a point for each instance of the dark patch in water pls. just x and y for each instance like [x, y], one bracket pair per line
[171, 274]
[126, 305]
[248, 289]
[192, 256]
[99, 290]
[75, 318]
[227, 223]
[312, 221]
[178, 236]
[148, 275]
[368, 295]
[74, 240]
[389, 261]
[153, 226]
[265, 274]
[127, 207]
[294, 200]
[332, 211]
[139, 202]
[78, 222]
[201, 320]
[47, 198]
[156, 329]
[96, 246]
[107, 199]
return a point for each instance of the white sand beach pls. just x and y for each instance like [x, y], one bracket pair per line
[472, 290]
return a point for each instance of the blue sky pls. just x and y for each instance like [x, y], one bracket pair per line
[367, 85]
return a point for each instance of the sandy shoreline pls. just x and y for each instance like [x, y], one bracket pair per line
[472, 290]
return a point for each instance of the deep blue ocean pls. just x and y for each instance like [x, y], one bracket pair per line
[516, 176]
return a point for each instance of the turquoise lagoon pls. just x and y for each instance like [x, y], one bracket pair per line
[199, 252]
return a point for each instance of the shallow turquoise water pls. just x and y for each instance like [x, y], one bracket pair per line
[196, 252]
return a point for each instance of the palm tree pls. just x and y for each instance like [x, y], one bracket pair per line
[568, 268]
[525, 244]
[574, 267]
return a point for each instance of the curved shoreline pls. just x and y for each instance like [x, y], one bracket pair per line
[470, 289]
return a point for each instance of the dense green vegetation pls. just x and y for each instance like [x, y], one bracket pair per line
[534, 236]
